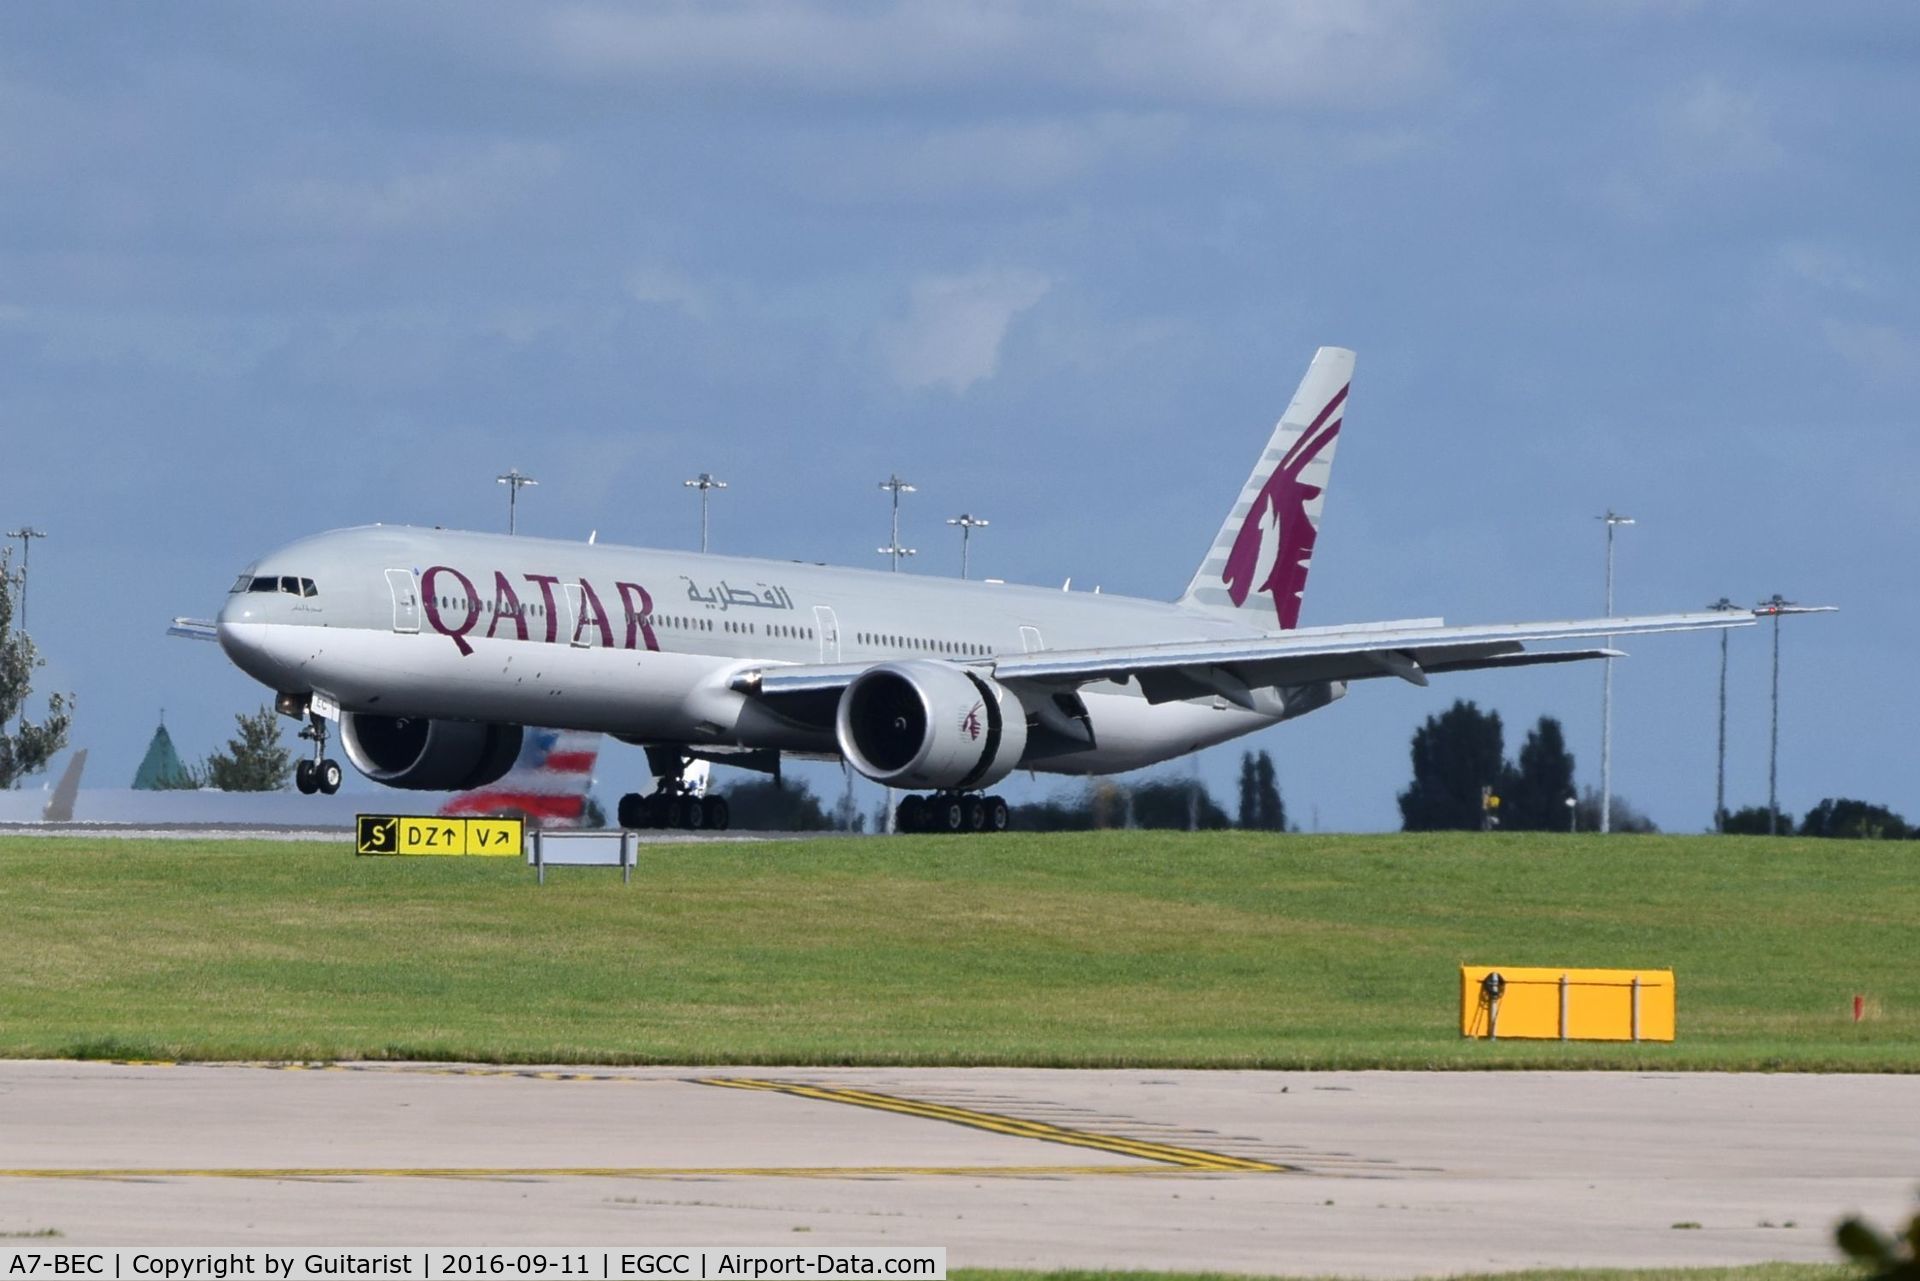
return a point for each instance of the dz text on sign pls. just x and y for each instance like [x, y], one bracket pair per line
[417, 834]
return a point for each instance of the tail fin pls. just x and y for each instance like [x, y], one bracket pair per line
[1257, 567]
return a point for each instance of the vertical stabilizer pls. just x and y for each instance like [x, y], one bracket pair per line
[60, 805]
[1257, 567]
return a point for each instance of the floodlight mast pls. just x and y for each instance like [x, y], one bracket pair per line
[515, 480]
[1612, 520]
[1720, 759]
[893, 550]
[1775, 606]
[26, 534]
[967, 523]
[704, 482]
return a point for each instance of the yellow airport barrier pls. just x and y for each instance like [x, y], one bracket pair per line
[1541, 1003]
[431, 834]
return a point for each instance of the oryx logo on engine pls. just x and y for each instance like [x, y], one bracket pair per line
[970, 723]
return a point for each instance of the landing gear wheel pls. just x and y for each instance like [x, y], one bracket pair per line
[973, 813]
[304, 778]
[718, 813]
[631, 812]
[997, 815]
[911, 816]
[949, 815]
[693, 813]
[328, 777]
[658, 811]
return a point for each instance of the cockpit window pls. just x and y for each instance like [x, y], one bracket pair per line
[241, 584]
[282, 583]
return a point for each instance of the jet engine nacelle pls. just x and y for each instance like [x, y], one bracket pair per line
[921, 724]
[428, 755]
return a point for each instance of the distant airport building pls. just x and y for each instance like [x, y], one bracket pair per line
[160, 769]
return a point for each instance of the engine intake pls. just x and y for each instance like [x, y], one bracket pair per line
[429, 755]
[920, 724]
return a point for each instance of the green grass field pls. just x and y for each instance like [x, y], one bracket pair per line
[1229, 950]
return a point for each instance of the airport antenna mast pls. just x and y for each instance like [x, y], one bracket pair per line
[26, 534]
[515, 481]
[1777, 605]
[703, 482]
[1612, 519]
[967, 524]
[1720, 765]
[894, 550]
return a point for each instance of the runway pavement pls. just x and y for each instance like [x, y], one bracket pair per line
[1358, 1174]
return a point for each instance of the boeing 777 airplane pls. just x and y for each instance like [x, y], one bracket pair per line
[433, 651]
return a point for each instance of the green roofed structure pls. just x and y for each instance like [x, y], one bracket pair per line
[160, 769]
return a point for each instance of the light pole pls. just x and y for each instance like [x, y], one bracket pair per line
[1777, 605]
[515, 481]
[1612, 519]
[894, 550]
[1720, 761]
[703, 482]
[26, 534]
[967, 525]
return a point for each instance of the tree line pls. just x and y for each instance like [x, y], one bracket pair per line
[1459, 764]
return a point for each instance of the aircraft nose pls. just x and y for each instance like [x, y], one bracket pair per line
[243, 630]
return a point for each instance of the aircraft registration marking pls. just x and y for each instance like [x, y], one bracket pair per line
[409, 834]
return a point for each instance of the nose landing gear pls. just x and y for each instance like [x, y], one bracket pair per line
[319, 774]
[952, 812]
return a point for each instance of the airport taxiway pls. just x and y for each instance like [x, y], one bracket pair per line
[1358, 1173]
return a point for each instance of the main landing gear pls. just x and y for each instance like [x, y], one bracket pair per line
[672, 805]
[951, 812]
[319, 774]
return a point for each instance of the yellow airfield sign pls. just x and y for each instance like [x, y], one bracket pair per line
[432, 835]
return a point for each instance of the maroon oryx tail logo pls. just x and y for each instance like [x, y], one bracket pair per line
[970, 723]
[1283, 500]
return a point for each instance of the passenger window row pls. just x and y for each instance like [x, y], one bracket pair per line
[925, 644]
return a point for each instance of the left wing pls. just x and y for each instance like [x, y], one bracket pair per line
[1233, 669]
[194, 629]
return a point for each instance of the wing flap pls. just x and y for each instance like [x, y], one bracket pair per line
[1234, 669]
[1333, 654]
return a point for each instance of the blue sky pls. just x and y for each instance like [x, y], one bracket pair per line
[266, 269]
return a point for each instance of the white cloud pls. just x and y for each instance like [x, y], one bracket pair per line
[1715, 128]
[453, 191]
[1696, 140]
[663, 286]
[956, 325]
[1825, 267]
[1338, 53]
[1882, 352]
[985, 160]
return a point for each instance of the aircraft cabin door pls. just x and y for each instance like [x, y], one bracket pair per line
[406, 600]
[581, 625]
[1030, 641]
[828, 628]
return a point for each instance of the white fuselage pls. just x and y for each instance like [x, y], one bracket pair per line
[644, 644]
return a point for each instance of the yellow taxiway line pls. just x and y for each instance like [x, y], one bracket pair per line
[1164, 1157]
[1164, 1153]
